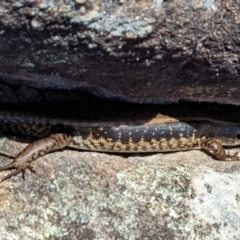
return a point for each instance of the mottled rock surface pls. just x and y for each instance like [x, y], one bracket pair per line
[86, 195]
[147, 51]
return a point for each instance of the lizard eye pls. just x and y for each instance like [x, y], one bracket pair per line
[238, 135]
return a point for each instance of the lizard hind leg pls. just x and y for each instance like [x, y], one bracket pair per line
[6, 154]
[12, 165]
[18, 168]
[33, 151]
[16, 172]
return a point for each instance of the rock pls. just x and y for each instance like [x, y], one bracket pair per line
[101, 196]
[144, 51]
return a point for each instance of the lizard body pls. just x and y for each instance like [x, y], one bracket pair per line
[156, 132]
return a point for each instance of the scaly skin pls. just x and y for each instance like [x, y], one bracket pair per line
[160, 133]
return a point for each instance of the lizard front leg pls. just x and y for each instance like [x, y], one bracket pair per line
[215, 148]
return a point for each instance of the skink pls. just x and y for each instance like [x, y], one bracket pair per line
[156, 132]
